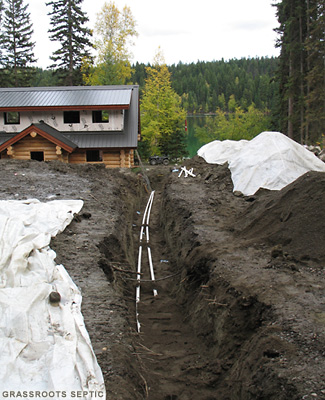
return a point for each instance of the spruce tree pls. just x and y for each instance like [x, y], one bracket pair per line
[315, 97]
[292, 34]
[301, 71]
[68, 28]
[17, 44]
[1, 33]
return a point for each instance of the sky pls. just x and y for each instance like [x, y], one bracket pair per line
[186, 31]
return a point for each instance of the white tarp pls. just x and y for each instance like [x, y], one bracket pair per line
[43, 347]
[221, 151]
[271, 160]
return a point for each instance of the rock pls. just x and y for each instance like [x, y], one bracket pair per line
[54, 298]
[277, 251]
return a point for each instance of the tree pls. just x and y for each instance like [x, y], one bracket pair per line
[301, 69]
[162, 117]
[17, 44]
[68, 28]
[116, 30]
[205, 86]
[236, 125]
[1, 37]
[315, 94]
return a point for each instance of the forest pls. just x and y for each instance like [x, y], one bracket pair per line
[206, 86]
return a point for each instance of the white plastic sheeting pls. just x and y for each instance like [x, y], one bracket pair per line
[220, 152]
[43, 347]
[271, 161]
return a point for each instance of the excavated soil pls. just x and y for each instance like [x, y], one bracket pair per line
[240, 280]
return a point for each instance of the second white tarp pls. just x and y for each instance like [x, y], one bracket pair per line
[271, 160]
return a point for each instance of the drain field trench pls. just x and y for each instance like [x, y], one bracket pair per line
[239, 310]
[171, 355]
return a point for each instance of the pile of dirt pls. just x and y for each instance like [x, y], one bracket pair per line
[293, 218]
[257, 308]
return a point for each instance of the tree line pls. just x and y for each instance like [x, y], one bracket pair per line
[206, 86]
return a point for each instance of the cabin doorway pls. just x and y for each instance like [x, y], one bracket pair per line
[37, 155]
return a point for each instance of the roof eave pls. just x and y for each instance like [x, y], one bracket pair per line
[67, 108]
[33, 128]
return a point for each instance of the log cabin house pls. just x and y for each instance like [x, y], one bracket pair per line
[79, 124]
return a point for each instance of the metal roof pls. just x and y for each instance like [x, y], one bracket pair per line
[97, 140]
[56, 134]
[67, 96]
[6, 136]
[128, 138]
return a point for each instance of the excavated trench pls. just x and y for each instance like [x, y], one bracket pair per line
[202, 337]
[240, 307]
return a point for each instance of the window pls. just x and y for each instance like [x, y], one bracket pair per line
[101, 116]
[37, 155]
[71, 117]
[12, 118]
[94, 155]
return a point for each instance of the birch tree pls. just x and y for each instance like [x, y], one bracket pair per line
[115, 32]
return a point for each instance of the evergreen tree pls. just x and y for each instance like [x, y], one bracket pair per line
[162, 117]
[301, 69]
[291, 16]
[315, 96]
[205, 86]
[68, 20]
[17, 44]
[1, 33]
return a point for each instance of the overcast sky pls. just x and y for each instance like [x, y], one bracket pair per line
[186, 31]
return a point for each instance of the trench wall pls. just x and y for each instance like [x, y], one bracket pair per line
[232, 322]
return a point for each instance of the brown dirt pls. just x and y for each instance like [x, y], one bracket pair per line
[240, 307]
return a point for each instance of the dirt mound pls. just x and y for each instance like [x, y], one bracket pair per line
[293, 217]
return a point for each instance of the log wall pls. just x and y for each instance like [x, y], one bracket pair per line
[22, 149]
[78, 157]
[111, 158]
[121, 158]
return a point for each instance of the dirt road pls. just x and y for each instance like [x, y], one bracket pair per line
[240, 306]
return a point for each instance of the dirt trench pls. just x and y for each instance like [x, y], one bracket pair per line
[233, 319]
[201, 337]
[239, 315]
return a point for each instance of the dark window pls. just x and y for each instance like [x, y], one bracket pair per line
[101, 116]
[71, 117]
[37, 155]
[12, 117]
[94, 155]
